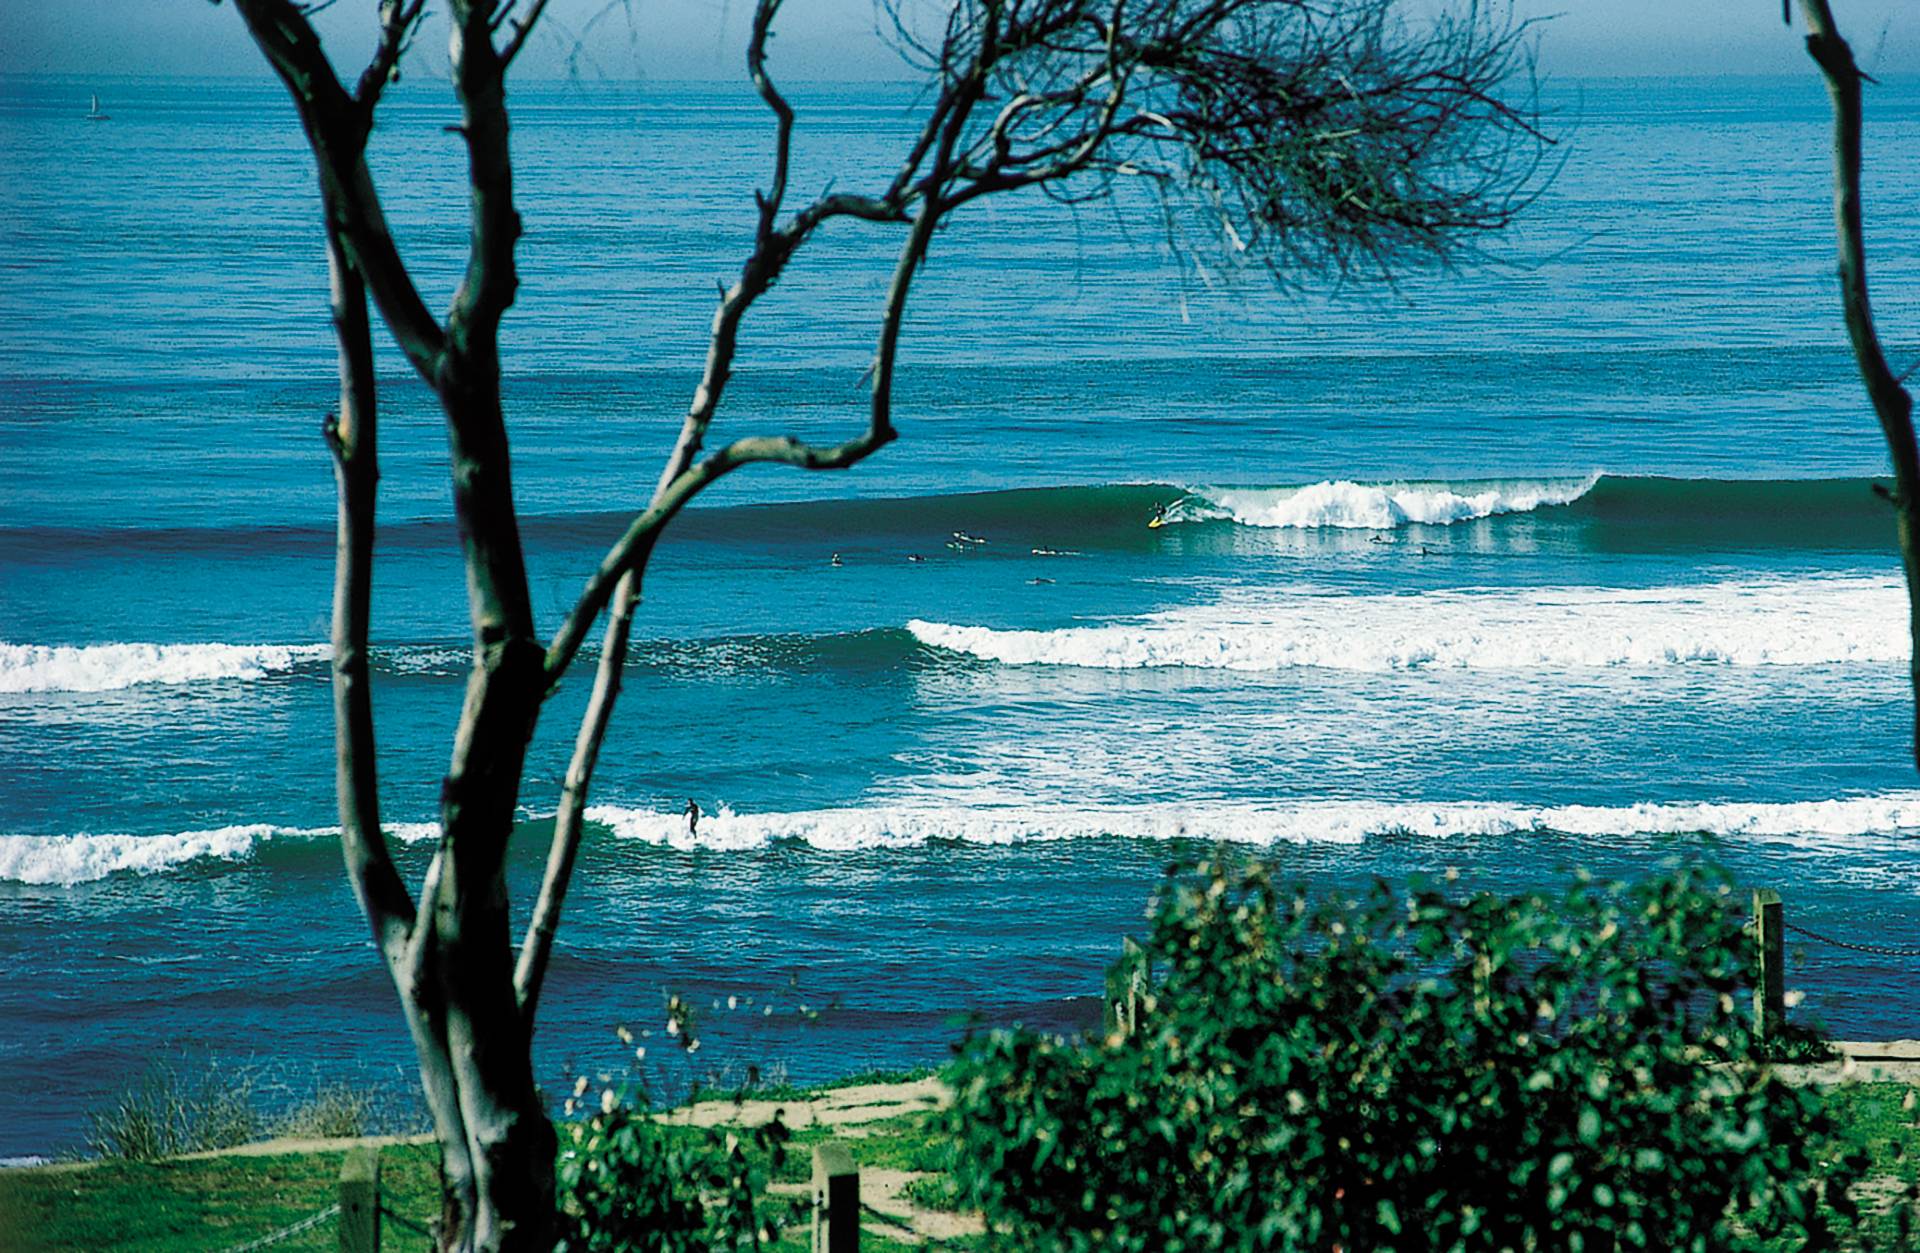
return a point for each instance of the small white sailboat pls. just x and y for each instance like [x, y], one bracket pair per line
[93, 111]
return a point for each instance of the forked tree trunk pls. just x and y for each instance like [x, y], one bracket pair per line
[468, 964]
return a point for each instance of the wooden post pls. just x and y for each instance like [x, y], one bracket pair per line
[1126, 988]
[360, 1200]
[1769, 984]
[836, 1199]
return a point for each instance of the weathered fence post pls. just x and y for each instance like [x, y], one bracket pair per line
[836, 1199]
[360, 1200]
[1769, 984]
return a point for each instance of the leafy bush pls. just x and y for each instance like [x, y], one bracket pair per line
[629, 1184]
[1408, 1071]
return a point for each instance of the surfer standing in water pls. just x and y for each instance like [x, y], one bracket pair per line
[693, 817]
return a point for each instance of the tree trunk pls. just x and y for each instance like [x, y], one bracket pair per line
[469, 965]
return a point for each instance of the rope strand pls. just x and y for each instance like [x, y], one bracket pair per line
[287, 1233]
[1876, 949]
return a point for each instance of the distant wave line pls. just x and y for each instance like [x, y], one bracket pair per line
[1791, 512]
[1824, 620]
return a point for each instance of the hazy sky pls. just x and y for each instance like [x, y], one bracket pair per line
[678, 39]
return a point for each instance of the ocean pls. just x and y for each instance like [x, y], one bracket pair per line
[1566, 557]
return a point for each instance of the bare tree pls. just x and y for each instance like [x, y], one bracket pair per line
[1891, 401]
[1304, 133]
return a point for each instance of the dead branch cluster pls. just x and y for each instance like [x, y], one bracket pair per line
[1306, 134]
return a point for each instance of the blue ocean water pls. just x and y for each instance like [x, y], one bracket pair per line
[1566, 557]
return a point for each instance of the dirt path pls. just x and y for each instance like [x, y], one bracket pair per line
[884, 1193]
[836, 1107]
[1870, 1061]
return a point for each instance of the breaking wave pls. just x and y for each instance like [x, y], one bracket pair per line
[65, 860]
[110, 667]
[1337, 822]
[69, 860]
[1347, 504]
[1815, 621]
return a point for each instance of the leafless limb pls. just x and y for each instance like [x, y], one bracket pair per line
[337, 125]
[399, 20]
[1892, 403]
[351, 436]
[521, 27]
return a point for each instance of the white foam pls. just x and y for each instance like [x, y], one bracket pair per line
[1813, 621]
[69, 859]
[109, 667]
[64, 860]
[1319, 822]
[1374, 506]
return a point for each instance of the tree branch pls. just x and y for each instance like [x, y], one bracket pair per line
[569, 821]
[487, 290]
[685, 478]
[337, 127]
[351, 436]
[1892, 404]
[521, 29]
[398, 20]
[763, 16]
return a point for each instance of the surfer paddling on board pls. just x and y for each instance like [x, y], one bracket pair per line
[693, 817]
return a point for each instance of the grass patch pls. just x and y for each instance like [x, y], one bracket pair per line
[1882, 1120]
[935, 1192]
[209, 1203]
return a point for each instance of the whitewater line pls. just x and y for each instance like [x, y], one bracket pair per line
[1760, 622]
[67, 860]
[1304, 822]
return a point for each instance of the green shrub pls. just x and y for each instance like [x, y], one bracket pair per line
[1408, 1071]
[629, 1184]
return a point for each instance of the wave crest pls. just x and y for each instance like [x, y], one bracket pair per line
[1368, 506]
